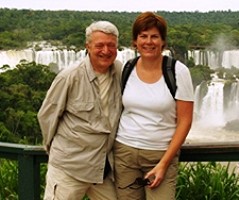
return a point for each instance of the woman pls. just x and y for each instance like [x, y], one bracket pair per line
[153, 125]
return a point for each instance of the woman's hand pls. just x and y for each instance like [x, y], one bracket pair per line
[156, 175]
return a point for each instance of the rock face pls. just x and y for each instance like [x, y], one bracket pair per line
[232, 125]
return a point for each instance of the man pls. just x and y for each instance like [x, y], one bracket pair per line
[79, 118]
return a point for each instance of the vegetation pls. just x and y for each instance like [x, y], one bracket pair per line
[23, 88]
[197, 181]
[22, 91]
[200, 73]
[207, 181]
[8, 179]
[187, 30]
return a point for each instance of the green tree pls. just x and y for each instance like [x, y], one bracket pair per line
[22, 91]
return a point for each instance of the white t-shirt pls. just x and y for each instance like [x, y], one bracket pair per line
[148, 120]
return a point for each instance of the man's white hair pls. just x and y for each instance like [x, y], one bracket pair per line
[103, 26]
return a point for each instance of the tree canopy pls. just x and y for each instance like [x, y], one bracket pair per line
[23, 88]
[22, 91]
[185, 29]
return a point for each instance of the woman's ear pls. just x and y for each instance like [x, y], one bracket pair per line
[134, 44]
[164, 45]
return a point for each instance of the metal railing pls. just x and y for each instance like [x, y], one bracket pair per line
[30, 157]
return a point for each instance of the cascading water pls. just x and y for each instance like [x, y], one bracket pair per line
[13, 57]
[230, 58]
[215, 59]
[211, 112]
[64, 58]
[59, 58]
[232, 104]
[216, 112]
[214, 107]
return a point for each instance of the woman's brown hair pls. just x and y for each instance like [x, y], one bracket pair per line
[148, 20]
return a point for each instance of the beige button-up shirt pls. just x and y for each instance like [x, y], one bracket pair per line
[73, 124]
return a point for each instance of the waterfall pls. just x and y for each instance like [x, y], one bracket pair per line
[13, 57]
[216, 102]
[215, 59]
[125, 55]
[232, 103]
[214, 106]
[64, 58]
[211, 111]
[216, 112]
[59, 58]
[199, 57]
[230, 59]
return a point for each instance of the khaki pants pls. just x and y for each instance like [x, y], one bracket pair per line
[131, 163]
[60, 186]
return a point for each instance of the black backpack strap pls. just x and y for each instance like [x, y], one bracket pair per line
[169, 73]
[129, 66]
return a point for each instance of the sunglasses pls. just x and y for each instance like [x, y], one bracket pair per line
[138, 183]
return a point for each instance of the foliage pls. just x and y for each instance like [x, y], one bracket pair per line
[209, 181]
[43, 170]
[229, 74]
[187, 30]
[200, 74]
[22, 91]
[196, 181]
[8, 179]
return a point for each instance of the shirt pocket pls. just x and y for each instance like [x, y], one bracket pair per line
[84, 110]
[88, 106]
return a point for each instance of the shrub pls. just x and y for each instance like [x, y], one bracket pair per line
[8, 179]
[207, 181]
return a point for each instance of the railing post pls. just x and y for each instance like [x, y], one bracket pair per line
[28, 177]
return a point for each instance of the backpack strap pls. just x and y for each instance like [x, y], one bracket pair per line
[129, 66]
[169, 74]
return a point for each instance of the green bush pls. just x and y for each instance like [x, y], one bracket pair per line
[207, 181]
[8, 179]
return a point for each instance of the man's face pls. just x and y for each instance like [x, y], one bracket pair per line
[102, 50]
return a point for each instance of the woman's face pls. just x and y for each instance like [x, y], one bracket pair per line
[149, 43]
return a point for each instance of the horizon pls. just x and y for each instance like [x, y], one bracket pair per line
[119, 6]
[107, 11]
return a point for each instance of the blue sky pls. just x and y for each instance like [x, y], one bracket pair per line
[123, 5]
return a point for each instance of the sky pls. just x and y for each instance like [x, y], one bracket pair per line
[124, 5]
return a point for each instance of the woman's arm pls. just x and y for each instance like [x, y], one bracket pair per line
[184, 121]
